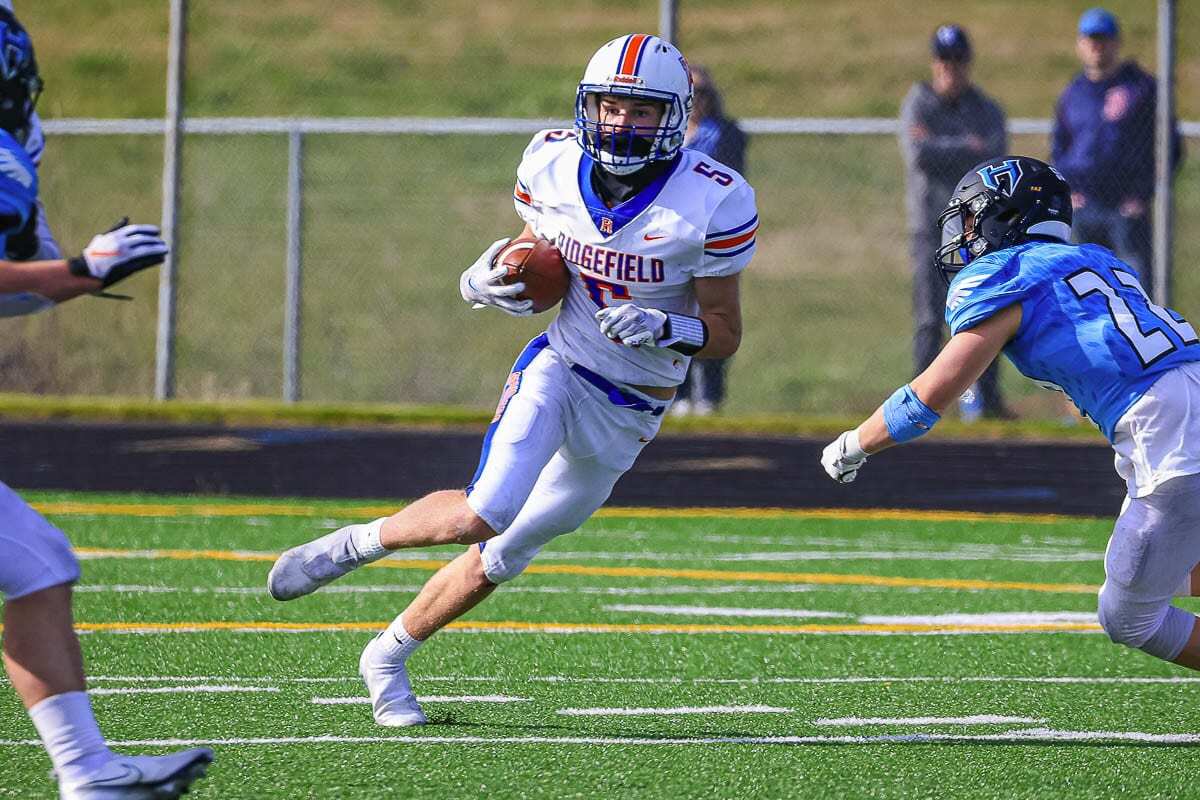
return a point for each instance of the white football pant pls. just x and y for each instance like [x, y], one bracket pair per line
[34, 555]
[561, 438]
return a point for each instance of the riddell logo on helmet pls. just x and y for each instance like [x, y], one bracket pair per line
[633, 80]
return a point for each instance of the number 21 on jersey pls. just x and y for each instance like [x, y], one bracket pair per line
[1150, 345]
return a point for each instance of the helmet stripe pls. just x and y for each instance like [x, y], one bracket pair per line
[641, 52]
[631, 55]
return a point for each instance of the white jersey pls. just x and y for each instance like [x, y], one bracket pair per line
[698, 220]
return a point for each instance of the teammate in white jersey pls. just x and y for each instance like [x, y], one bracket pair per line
[655, 237]
[37, 568]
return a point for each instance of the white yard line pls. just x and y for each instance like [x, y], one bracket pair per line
[387, 588]
[970, 553]
[194, 689]
[1034, 556]
[670, 712]
[433, 698]
[1032, 735]
[861, 679]
[724, 611]
[991, 618]
[976, 719]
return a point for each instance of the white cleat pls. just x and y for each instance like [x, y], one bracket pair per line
[304, 569]
[392, 700]
[142, 777]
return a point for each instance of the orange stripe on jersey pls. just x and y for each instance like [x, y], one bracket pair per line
[522, 195]
[723, 244]
[633, 49]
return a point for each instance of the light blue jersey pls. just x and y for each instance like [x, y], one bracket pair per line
[1087, 326]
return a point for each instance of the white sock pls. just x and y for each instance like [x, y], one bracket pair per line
[397, 642]
[72, 738]
[365, 539]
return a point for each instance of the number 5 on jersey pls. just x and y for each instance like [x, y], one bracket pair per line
[599, 290]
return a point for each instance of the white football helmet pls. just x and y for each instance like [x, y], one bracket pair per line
[645, 67]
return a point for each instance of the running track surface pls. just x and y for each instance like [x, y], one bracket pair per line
[675, 470]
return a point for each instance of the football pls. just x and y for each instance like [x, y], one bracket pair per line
[538, 264]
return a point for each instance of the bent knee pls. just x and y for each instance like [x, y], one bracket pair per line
[1124, 619]
[1153, 627]
[468, 527]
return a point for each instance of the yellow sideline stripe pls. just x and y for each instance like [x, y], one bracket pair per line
[637, 572]
[68, 507]
[588, 627]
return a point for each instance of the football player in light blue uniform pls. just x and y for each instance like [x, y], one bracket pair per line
[1074, 318]
[37, 568]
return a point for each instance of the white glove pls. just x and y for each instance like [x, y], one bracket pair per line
[632, 326]
[842, 457]
[118, 253]
[480, 284]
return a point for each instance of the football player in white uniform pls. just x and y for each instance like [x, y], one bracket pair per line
[41, 652]
[655, 237]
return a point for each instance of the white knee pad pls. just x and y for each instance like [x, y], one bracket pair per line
[34, 555]
[501, 565]
[1154, 627]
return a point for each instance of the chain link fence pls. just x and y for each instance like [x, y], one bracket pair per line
[390, 219]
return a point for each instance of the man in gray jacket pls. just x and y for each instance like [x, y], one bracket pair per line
[946, 126]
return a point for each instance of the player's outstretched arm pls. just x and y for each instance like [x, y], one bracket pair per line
[112, 256]
[914, 409]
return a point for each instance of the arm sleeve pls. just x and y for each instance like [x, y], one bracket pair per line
[981, 290]
[732, 231]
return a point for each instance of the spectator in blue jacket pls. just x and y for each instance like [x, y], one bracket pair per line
[718, 136]
[1103, 143]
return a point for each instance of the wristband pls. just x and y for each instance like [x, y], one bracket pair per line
[683, 334]
[78, 266]
[906, 416]
[852, 448]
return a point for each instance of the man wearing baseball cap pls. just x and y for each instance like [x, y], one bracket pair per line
[947, 125]
[1103, 143]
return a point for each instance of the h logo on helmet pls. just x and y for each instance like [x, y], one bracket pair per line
[1002, 177]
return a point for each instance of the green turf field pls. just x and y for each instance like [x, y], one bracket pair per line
[653, 654]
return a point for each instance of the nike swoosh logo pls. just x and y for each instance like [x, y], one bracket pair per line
[650, 238]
